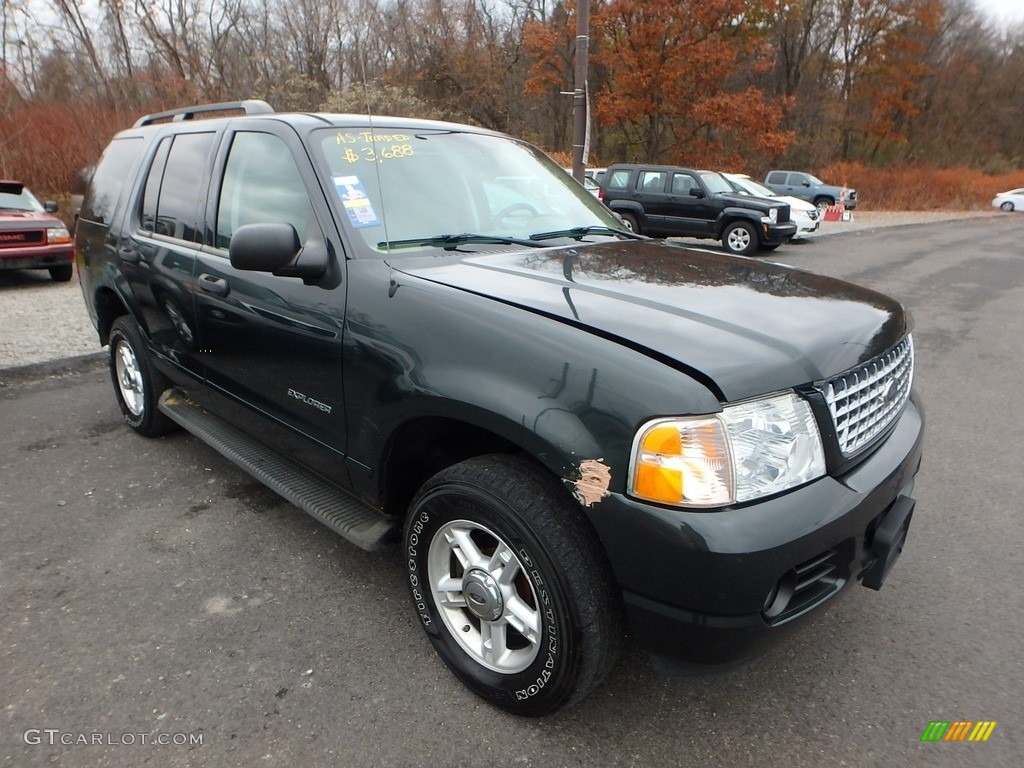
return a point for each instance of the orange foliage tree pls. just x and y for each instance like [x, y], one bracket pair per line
[677, 81]
[550, 45]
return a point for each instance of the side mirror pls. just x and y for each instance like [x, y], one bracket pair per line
[696, 192]
[275, 248]
[50, 206]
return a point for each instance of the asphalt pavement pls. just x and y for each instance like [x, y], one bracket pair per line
[150, 591]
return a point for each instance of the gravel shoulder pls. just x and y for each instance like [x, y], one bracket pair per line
[42, 321]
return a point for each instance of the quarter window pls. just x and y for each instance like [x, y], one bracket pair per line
[112, 172]
[262, 185]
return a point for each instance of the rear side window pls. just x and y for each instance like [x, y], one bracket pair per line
[262, 185]
[181, 189]
[151, 190]
[108, 180]
[777, 178]
[618, 180]
[652, 181]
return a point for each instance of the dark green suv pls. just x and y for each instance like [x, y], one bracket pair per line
[433, 340]
[666, 201]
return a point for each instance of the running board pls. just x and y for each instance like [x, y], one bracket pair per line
[355, 520]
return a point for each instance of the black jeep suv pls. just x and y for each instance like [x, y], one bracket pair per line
[429, 336]
[665, 201]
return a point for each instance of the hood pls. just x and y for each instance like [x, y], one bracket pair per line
[741, 200]
[751, 327]
[28, 220]
[796, 204]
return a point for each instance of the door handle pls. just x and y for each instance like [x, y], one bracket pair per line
[218, 286]
[129, 255]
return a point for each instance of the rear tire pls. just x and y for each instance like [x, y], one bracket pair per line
[740, 238]
[631, 223]
[511, 584]
[61, 274]
[137, 384]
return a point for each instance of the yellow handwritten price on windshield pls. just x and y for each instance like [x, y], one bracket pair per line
[372, 156]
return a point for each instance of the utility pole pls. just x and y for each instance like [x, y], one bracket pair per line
[581, 97]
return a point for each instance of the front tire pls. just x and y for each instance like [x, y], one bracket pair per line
[1007, 206]
[740, 238]
[823, 203]
[137, 384]
[62, 273]
[511, 584]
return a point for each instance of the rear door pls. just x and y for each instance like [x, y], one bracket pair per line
[272, 346]
[164, 232]
[649, 191]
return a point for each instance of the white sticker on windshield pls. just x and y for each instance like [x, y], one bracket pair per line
[356, 201]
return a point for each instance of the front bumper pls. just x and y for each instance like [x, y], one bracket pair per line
[716, 588]
[772, 234]
[36, 257]
[805, 226]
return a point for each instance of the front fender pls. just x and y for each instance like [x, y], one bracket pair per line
[559, 392]
[728, 215]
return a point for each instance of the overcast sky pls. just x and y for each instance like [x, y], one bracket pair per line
[1002, 10]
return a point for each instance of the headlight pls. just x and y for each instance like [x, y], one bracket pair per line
[773, 215]
[56, 235]
[751, 449]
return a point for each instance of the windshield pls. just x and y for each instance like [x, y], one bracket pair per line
[815, 179]
[751, 186]
[397, 188]
[25, 201]
[714, 182]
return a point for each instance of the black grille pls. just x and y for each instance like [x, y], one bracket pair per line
[17, 238]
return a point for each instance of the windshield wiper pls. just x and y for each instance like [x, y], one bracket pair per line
[451, 242]
[578, 233]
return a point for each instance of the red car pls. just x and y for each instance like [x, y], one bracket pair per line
[31, 237]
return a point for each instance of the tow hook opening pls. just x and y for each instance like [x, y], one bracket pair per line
[887, 543]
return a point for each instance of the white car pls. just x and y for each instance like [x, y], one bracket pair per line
[1009, 201]
[805, 215]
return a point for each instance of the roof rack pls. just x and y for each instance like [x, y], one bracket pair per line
[249, 107]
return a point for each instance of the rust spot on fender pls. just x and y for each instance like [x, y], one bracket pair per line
[593, 482]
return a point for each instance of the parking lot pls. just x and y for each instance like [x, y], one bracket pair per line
[150, 587]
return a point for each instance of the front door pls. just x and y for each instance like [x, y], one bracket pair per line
[272, 346]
